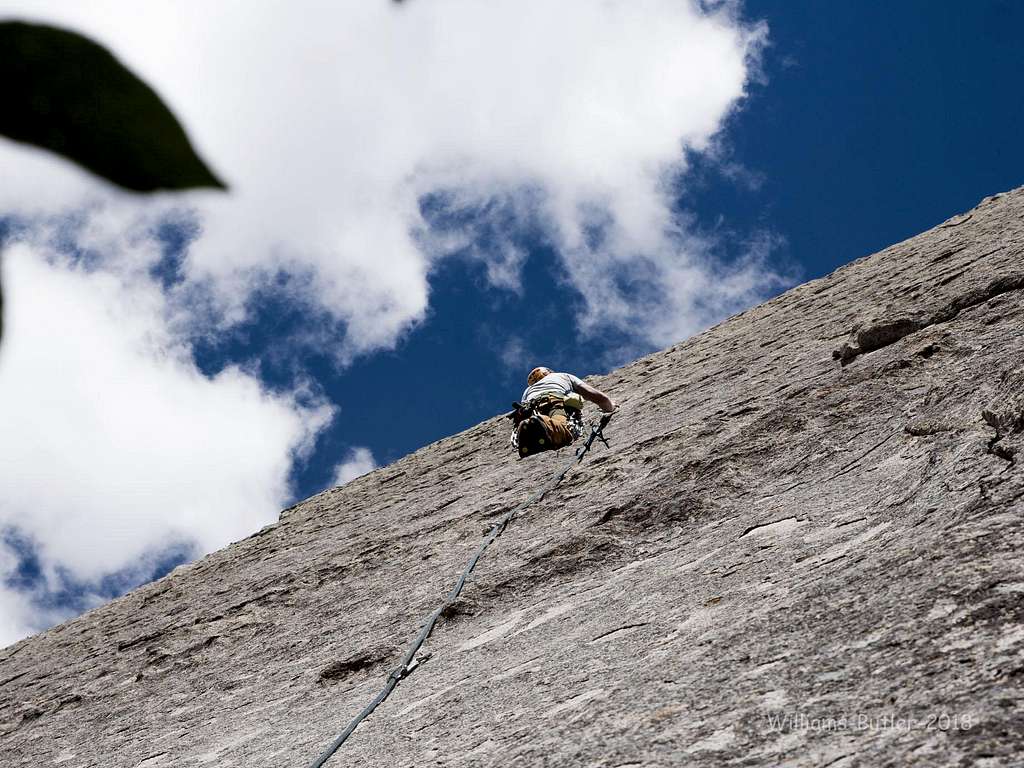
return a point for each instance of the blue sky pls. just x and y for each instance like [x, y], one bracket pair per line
[874, 122]
[852, 126]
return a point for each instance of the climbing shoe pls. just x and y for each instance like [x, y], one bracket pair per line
[532, 436]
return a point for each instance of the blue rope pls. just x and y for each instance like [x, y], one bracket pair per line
[409, 661]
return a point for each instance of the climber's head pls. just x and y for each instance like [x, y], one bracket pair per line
[536, 375]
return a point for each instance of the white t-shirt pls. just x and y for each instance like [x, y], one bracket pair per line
[560, 384]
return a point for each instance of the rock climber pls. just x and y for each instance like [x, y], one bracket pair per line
[550, 413]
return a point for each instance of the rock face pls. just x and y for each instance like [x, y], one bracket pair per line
[803, 548]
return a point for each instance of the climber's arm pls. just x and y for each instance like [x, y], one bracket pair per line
[596, 396]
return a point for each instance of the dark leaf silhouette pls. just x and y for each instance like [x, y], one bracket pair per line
[70, 95]
[67, 94]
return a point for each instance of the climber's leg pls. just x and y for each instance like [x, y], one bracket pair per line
[558, 425]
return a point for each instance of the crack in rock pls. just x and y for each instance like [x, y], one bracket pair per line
[776, 528]
[605, 635]
[339, 670]
[877, 335]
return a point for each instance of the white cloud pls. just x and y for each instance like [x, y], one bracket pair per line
[358, 462]
[115, 447]
[332, 120]
[26, 609]
[19, 617]
[515, 357]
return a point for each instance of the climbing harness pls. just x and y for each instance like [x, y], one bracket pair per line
[410, 661]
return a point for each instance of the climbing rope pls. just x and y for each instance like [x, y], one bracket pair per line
[409, 661]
